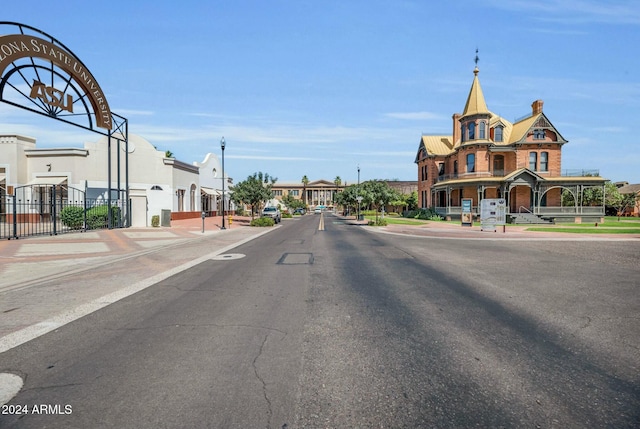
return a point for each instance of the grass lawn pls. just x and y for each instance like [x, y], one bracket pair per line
[611, 225]
[395, 220]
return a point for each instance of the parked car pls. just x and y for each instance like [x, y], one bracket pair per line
[300, 211]
[272, 212]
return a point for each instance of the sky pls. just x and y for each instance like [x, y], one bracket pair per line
[322, 88]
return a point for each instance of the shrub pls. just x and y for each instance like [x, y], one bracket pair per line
[72, 217]
[155, 221]
[287, 215]
[97, 217]
[262, 221]
[378, 222]
[424, 214]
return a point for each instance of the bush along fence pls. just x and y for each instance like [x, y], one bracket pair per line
[51, 210]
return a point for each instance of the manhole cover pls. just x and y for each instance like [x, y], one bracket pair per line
[228, 256]
[296, 259]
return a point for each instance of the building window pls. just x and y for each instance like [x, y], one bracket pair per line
[544, 161]
[441, 169]
[294, 192]
[462, 132]
[472, 130]
[538, 134]
[497, 134]
[498, 165]
[471, 162]
[481, 130]
[277, 192]
[533, 160]
[455, 168]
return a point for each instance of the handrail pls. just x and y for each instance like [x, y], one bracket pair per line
[525, 209]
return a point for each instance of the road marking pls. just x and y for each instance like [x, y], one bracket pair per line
[29, 333]
[10, 385]
[321, 225]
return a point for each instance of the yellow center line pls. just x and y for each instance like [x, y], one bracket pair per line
[321, 226]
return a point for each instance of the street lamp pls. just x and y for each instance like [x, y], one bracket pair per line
[359, 198]
[222, 145]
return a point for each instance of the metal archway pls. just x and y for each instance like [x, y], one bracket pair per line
[40, 74]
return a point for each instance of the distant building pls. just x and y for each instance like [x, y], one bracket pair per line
[631, 189]
[487, 156]
[315, 193]
[157, 183]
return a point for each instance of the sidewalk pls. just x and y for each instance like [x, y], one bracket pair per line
[48, 281]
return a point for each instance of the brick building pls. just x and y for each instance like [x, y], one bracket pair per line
[487, 156]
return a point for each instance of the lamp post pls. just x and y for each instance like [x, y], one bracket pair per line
[222, 145]
[359, 198]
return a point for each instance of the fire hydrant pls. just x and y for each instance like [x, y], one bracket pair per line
[230, 220]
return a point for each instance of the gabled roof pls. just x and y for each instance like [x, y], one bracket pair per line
[475, 102]
[629, 189]
[437, 145]
[539, 120]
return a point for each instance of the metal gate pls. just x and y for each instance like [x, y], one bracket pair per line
[55, 209]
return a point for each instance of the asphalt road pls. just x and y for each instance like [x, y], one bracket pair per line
[342, 327]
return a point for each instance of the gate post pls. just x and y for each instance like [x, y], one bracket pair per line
[15, 216]
[53, 210]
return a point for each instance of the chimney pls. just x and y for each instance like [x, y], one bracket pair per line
[456, 128]
[536, 107]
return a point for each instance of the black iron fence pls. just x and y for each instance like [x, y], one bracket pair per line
[55, 209]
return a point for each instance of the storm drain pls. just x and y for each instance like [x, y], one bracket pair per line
[296, 259]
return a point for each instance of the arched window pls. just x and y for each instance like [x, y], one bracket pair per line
[533, 160]
[462, 132]
[497, 133]
[482, 130]
[544, 161]
[471, 162]
[472, 130]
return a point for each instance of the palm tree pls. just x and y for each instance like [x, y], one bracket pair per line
[338, 182]
[305, 182]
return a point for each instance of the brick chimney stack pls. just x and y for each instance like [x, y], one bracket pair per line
[456, 127]
[536, 107]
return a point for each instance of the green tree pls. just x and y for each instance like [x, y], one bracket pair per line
[305, 182]
[347, 198]
[616, 200]
[254, 191]
[412, 201]
[293, 203]
[337, 181]
[377, 193]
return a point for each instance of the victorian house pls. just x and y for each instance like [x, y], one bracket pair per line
[487, 156]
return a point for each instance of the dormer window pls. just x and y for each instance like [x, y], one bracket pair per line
[497, 133]
[538, 134]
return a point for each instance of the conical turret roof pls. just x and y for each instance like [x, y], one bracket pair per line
[475, 102]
